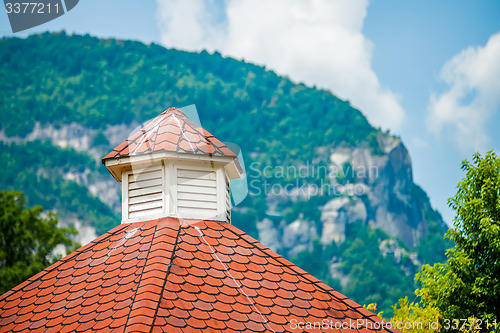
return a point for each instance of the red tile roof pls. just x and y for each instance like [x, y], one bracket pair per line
[171, 131]
[175, 275]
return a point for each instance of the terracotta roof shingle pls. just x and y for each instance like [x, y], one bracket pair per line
[171, 131]
[175, 275]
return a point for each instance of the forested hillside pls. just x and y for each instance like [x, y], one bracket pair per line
[65, 101]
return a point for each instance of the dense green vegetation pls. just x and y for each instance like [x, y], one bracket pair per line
[432, 248]
[58, 79]
[37, 168]
[373, 278]
[468, 284]
[27, 240]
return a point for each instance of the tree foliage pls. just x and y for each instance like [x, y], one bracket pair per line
[468, 285]
[414, 318]
[27, 240]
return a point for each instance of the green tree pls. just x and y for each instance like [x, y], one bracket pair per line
[27, 240]
[468, 285]
[414, 318]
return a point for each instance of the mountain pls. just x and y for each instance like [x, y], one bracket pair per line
[326, 189]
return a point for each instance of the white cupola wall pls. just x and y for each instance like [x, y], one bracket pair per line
[175, 188]
[174, 168]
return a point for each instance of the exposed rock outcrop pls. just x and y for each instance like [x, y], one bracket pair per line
[372, 188]
[336, 214]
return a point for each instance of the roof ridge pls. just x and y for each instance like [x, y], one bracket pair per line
[317, 282]
[195, 126]
[140, 279]
[155, 136]
[166, 276]
[239, 286]
[188, 120]
[149, 132]
[140, 313]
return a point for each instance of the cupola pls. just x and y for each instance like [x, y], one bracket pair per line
[172, 167]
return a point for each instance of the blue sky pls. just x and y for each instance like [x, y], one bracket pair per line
[429, 71]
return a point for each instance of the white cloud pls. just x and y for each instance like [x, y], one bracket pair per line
[318, 42]
[188, 24]
[473, 96]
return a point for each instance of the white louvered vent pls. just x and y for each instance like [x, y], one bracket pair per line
[189, 190]
[145, 192]
[196, 194]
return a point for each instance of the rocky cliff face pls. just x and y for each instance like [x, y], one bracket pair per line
[382, 196]
[372, 188]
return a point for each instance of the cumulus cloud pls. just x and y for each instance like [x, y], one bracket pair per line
[465, 109]
[318, 42]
